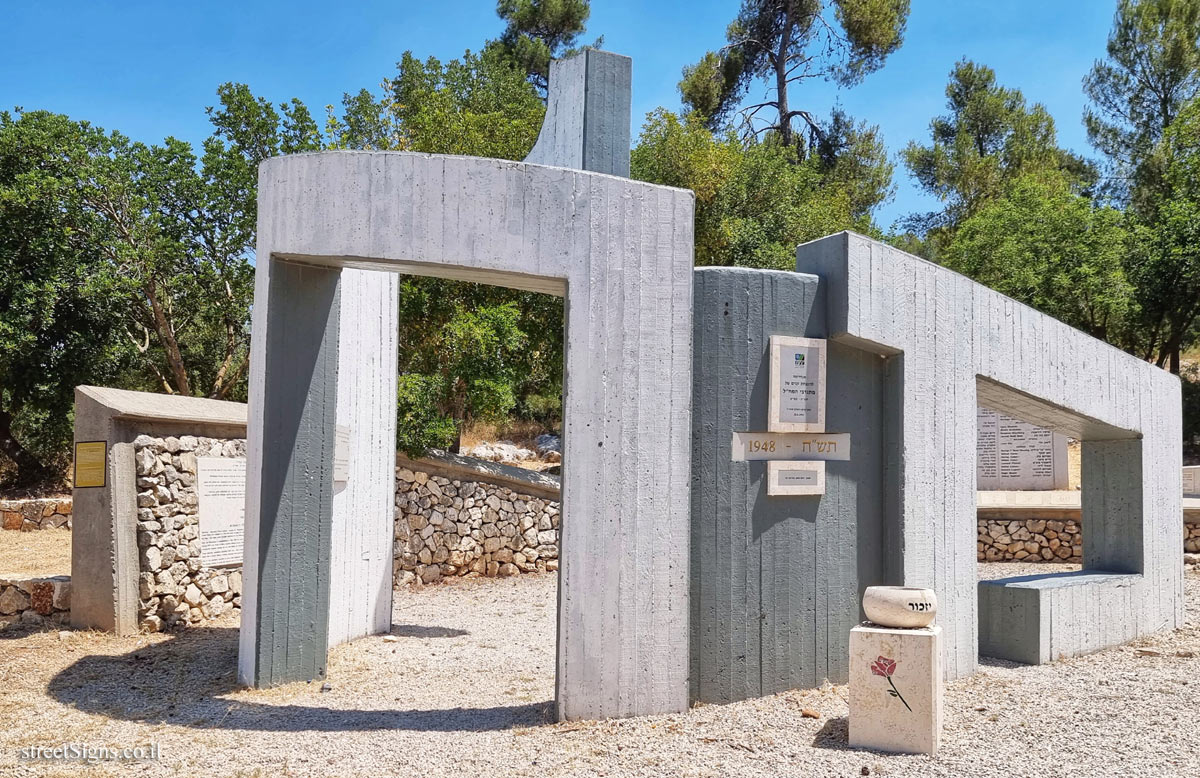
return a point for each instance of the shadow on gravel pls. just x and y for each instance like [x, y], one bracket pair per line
[991, 661]
[415, 631]
[182, 681]
[834, 734]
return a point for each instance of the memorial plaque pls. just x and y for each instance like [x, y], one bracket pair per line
[1191, 480]
[795, 478]
[797, 391]
[91, 465]
[1014, 455]
[786, 446]
[221, 487]
[341, 454]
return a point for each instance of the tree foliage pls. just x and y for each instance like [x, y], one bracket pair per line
[537, 31]
[989, 138]
[1151, 71]
[60, 306]
[754, 203]
[1164, 258]
[1044, 244]
[785, 42]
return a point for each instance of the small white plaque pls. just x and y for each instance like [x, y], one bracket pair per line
[341, 453]
[757, 446]
[1191, 480]
[221, 489]
[795, 478]
[796, 402]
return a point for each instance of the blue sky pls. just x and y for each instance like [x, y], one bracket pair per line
[150, 68]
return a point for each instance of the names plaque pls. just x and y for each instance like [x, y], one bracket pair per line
[1014, 455]
[795, 478]
[221, 488]
[796, 401]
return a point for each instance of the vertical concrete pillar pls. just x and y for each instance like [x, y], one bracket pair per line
[777, 580]
[1111, 505]
[290, 474]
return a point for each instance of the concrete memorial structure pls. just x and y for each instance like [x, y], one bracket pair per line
[1014, 455]
[912, 350]
[104, 544]
[324, 352]
[952, 341]
[831, 415]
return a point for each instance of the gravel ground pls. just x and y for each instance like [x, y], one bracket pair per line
[464, 684]
[43, 552]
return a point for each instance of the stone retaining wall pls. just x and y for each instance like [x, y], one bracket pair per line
[35, 601]
[174, 588]
[450, 527]
[38, 513]
[1046, 540]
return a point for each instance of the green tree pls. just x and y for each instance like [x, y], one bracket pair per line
[59, 305]
[754, 203]
[537, 31]
[1152, 70]
[784, 42]
[1164, 258]
[1045, 245]
[989, 138]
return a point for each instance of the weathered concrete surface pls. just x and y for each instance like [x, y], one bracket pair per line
[587, 114]
[777, 581]
[1041, 618]
[624, 250]
[104, 552]
[960, 343]
[360, 579]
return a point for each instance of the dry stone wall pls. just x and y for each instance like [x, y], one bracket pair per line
[40, 513]
[35, 601]
[447, 527]
[174, 588]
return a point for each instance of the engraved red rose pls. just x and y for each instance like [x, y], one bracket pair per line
[885, 667]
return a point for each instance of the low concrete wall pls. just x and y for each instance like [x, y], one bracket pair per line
[36, 513]
[35, 601]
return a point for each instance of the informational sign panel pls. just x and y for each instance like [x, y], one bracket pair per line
[221, 487]
[797, 392]
[757, 446]
[1013, 455]
[1191, 480]
[795, 478]
[91, 466]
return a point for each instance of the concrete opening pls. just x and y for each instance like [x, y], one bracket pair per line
[322, 315]
[1017, 613]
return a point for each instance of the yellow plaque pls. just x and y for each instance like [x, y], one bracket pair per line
[90, 465]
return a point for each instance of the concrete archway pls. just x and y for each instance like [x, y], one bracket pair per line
[621, 253]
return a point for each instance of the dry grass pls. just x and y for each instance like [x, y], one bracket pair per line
[520, 432]
[1074, 461]
[29, 554]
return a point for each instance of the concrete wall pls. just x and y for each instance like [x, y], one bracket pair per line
[623, 249]
[962, 344]
[776, 580]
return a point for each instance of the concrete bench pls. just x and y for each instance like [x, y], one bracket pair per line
[1039, 618]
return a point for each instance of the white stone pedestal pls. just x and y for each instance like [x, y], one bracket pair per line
[896, 688]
